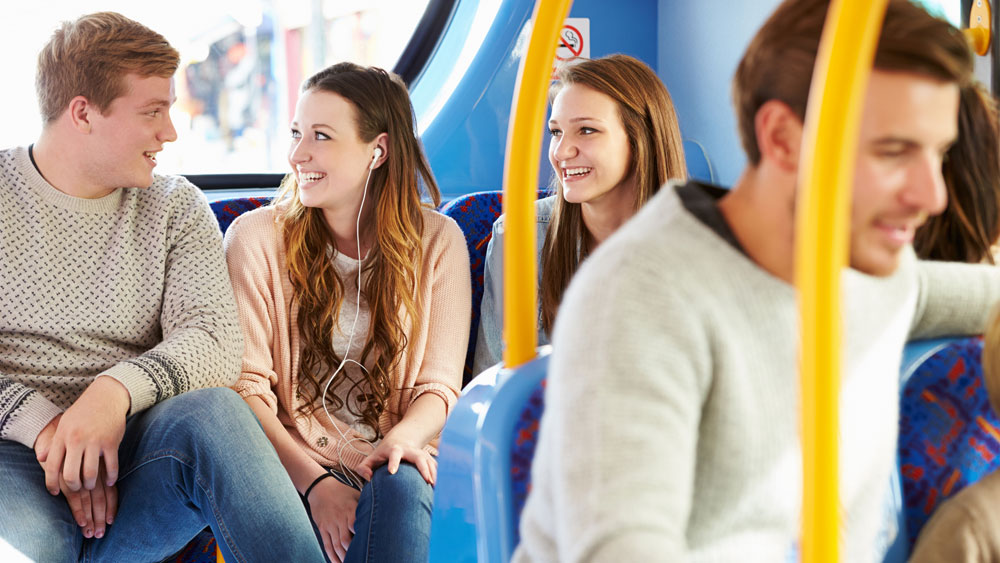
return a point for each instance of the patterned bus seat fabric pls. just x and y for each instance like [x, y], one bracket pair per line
[200, 550]
[522, 451]
[475, 214]
[949, 436]
[227, 210]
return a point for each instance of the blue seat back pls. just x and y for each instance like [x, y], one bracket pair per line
[698, 165]
[949, 436]
[485, 455]
[227, 210]
[475, 214]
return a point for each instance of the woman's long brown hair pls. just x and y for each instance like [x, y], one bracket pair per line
[970, 225]
[381, 105]
[650, 122]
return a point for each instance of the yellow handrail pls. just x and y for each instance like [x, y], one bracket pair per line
[832, 123]
[524, 144]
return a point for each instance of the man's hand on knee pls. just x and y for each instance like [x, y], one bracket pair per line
[90, 429]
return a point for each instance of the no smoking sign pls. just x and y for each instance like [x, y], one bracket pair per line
[574, 40]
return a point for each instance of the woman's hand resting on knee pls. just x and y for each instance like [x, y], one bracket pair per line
[393, 451]
[332, 504]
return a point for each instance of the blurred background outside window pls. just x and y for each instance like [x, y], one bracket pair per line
[242, 62]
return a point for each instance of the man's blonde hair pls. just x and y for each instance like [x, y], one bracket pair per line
[91, 56]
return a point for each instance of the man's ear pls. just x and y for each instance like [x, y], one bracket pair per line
[779, 134]
[80, 112]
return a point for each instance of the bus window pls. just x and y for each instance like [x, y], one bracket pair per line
[242, 62]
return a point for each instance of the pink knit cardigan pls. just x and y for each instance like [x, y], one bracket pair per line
[431, 363]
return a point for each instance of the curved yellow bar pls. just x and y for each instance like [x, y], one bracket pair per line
[524, 144]
[833, 118]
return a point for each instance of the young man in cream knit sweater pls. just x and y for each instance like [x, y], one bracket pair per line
[671, 429]
[116, 314]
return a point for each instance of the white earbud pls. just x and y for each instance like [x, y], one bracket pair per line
[378, 153]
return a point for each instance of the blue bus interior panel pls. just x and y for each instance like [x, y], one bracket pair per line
[463, 114]
[697, 60]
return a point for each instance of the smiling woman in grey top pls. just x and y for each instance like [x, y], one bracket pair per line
[615, 141]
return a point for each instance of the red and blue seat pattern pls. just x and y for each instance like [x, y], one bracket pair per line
[522, 451]
[949, 436]
[475, 214]
[227, 210]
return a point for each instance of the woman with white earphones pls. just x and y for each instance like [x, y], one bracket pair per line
[354, 296]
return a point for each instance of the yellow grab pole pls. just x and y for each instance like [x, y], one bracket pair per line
[524, 144]
[833, 117]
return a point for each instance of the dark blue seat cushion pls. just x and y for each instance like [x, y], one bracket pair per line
[227, 210]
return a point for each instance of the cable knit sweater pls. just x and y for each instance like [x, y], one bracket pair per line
[431, 363]
[671, 424]
[132, 285]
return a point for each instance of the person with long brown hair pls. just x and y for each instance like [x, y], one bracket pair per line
[615, 141]
[354, 295]
[969, 227]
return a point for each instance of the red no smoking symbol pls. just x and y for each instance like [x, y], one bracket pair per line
[570, 43]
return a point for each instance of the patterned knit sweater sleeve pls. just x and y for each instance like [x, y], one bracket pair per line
[202, 343]
[24, 412]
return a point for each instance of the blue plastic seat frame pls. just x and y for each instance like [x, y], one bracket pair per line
[473, 516]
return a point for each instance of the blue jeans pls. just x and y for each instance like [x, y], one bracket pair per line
[393, 520]
[198, 459]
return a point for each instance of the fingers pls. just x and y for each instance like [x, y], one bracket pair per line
[88, 512]
[71, 467]
[53, 466]
[99, 504]
[111, 494]
[90, 465]
[365, 470]
[345, 541]
[76, 507]
[111, 465]
[42, 453]
[422, 464]
[395, 456]
[328, 547]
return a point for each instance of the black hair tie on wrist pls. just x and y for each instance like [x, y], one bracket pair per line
[316, 482]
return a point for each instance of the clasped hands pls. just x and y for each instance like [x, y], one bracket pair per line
[79, 452]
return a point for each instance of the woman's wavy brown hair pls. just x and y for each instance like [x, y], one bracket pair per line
[654, 138]
[381, 105]
[970, 225]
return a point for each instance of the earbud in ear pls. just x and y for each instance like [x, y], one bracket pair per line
[375, 157]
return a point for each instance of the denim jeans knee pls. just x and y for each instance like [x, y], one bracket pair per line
[34, 523]
[393, 518]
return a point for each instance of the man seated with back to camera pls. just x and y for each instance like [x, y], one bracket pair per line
[671, 429]
[116, 312]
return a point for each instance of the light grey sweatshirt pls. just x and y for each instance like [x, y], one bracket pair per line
[671, 424]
